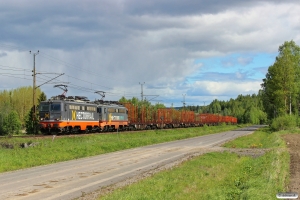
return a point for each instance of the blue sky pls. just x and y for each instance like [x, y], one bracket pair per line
[199, 50]
[237, 66]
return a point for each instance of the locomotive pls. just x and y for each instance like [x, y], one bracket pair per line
[77, 114]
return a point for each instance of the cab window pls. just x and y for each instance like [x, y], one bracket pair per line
[44, 107]
[55, 107]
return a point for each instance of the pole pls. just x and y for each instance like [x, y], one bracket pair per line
[183, 100]
[142, 94]
[33, 93]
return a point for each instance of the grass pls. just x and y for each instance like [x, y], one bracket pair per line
[220, 175]
[51, 150]
[213, 176]
[263, 138]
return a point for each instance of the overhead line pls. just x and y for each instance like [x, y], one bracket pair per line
[15, 77]
[64, 63]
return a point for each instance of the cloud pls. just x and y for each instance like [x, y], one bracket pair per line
[3, 54]
[229, 88]
[114, 45]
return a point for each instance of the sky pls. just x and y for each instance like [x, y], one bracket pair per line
[191, 51]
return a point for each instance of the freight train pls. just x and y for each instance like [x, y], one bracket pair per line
[76, 114]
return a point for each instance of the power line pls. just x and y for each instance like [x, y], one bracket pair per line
[12, 47]
[15, 76]
[77, 67]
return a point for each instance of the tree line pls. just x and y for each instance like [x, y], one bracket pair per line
[276, 103]
[16, 110]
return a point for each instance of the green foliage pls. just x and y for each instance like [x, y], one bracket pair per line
[284, 122]
[254, 115]
[31, 121]
[247, 109]
[10, 123]
[145, 103]
[280, 88]
[19, 100]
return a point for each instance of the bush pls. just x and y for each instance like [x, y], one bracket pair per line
[284, 122]
[10, 123]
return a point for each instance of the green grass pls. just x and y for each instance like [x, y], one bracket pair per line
[263, 138]
[214, 176]
[220, 175]
[67, 148]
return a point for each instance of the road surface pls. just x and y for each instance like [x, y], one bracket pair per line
[70, 179]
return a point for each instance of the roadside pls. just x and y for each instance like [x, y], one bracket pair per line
[260, 172]
[254, 153]
[293, 144]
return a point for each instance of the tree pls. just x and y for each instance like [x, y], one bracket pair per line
[123, 100]
[280, 88]
[32, 122]
[12, 123]
[19, 100]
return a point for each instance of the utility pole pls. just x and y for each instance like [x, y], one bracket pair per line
[183, 100]
[33, 92]
[142, 94]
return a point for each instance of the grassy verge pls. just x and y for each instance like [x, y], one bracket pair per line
[212, 176]
[220, 175]
[263, 138]
[50, 150]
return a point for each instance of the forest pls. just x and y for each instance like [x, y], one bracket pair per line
[277, 102]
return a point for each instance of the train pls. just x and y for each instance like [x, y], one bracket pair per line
[77, 114]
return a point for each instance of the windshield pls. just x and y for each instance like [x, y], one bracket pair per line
[44, 107]
[55, 107]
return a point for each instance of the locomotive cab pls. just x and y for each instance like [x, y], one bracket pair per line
[50, 111]
[68, 116]
[50, 115]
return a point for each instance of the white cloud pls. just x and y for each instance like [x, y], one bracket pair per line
[114, 45]
[211, 88]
